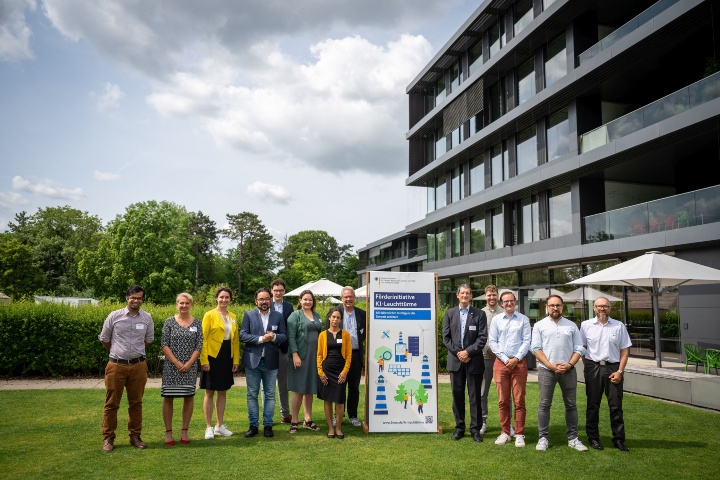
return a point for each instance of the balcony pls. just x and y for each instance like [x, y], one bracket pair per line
[670, 213]
[689, 97]
[379, 260]
[626, 29]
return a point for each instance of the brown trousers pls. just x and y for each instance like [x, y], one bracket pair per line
[117, 378]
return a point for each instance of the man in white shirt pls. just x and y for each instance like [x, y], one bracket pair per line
[557, 346]
[607, 348]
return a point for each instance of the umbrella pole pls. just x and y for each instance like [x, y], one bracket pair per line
[656, 319]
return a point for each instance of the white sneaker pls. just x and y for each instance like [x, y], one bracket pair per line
[483, 429]
[512, 431]
[519, 441]
[222, 431]
[542, 444]
[209, 433]
[577, 445]
[355, 422]
[502, 439]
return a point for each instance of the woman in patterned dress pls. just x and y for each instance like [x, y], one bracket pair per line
[182, 340]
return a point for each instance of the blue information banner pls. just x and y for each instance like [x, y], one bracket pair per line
[401, 300]
[394, 314]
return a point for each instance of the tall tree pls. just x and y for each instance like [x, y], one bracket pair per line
[203, 234]
[253, 254]
[18, 273]
[322, 244]
[56, 235]
[148, 245]
[307, 268]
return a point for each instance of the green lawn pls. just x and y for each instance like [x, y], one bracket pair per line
[56, 434]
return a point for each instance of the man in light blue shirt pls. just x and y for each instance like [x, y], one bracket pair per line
[557, 346]
[510, 340]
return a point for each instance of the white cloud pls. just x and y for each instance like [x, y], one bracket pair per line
[14, 32]
[47, 188]
[267, 191]
[10, 199]
[105, 176]
[109, 98]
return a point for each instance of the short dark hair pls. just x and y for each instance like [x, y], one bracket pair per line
[223, 289]
[302, 294]
[334, 309]
[555, 295]
[135, 289]
[278, 281]
[260, 290]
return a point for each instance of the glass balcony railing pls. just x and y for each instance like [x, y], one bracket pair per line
[378, 260]
[624, 30]
[689, 97]
[679, 211]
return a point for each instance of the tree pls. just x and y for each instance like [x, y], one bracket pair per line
[18, 273]
[400, 393]
[56, 235]
[253, 256]
[149, 246]
[421, 395]
[307, 267]
[203, 234]
[319, 242]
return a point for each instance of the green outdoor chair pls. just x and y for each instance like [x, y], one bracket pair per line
[712, 360]
[694, 354]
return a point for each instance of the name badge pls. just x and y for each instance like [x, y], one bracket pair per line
[193, 329]
[362, 330]
[274, 327]
[339, 340]
[472, 327]
[140, 326]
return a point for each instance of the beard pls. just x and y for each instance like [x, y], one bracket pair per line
[555, 314]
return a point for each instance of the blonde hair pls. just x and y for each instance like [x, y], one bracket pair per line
[184, 294]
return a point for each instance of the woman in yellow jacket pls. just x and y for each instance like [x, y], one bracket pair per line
[219, 358]
[334, 354]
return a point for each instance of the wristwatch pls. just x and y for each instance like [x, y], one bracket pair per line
[621, 372]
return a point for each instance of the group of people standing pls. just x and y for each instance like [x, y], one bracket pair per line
[492, 344]
[282, 346]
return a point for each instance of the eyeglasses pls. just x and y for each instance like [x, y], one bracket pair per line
[602, 306]
[557, 305]
[508, 301]
[263, 299]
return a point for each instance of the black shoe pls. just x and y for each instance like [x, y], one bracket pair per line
[477, 437]
[457, 434]
[596, 444]
[620, 445]
[267, 431]
[252, 431]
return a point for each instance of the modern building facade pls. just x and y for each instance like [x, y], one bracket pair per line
[556, 138]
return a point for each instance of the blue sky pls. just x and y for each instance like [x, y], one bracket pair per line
[297, 114]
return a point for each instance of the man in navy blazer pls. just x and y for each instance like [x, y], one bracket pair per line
[277, 287]
[464, 336]
[262, 331]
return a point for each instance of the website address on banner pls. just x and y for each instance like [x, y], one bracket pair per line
[401, 422]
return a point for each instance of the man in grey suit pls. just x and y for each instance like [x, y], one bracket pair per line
[277, 287]
[464, 335]
[263, 331]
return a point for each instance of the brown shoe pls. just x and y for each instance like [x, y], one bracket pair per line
[108, 445]
[136, 441]
[286, 420]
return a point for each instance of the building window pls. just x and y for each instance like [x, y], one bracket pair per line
[457, 184]
[475, 56]
[526, 81]
[547, 3]
[556, 61]
[558, 135]
[454, 77]
[496, 100]
[526, 150]
[560, 211]
[440, 143]
[458, 240]
[523, 14]
[500, 163]
[440, 90]
[455, 137]
[529, 220]
[477, 233]
[440, 193]
[440, 244]
[497, 38]
[431, 196]
[498, 228]
[431, 247]
[477, 174]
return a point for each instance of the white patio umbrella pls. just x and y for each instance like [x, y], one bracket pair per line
[361, 292]
[543, 293]
[500, 292]
[320, 288]
[298, 290]
[655, 271]
[588, 293]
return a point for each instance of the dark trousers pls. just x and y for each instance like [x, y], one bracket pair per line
[458, 380]
[597, 383]
[353, 382]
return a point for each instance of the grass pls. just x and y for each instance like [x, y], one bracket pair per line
[56, 434]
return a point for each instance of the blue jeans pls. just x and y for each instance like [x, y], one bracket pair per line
[268, 377]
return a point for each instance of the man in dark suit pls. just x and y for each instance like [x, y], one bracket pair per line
[464, 336]
[354, 321]
[262, 331]
[277, 287]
